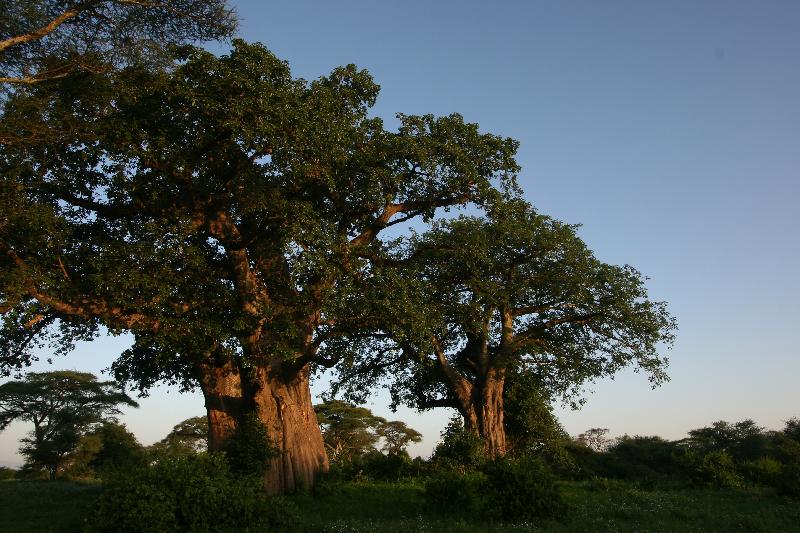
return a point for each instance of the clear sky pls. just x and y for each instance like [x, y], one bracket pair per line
[670, 130]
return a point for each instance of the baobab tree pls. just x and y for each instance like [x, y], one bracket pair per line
[227, 214]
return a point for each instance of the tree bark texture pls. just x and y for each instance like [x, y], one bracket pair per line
[282, 401]
[484, 413]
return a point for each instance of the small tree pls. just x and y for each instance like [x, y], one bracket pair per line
[792, 429]
[595, 438]
[348, 431]
[62, 406]
[396, 436]
[186, 438]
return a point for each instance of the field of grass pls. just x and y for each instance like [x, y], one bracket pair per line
[44, 506]
[395, 507]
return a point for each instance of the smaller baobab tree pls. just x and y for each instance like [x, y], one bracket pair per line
[514, 290]
[62, 405]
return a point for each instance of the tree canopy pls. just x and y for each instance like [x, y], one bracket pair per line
[511, 290]
[186, 438]
[350, 431]
[227, 214]
[50, 39]
[62, 405]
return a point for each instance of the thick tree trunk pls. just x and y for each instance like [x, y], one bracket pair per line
[284, 405]
[484, 414]
[282, 401]
[222, 389]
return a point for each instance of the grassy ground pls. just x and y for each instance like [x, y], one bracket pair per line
[357, 507]
[44, 506]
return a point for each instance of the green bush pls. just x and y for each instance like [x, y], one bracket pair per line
[644, 459]
[504, 489]
[716, 468]
[7, 473]
[764, 470]
[391, 467]
[520, 490]
[249, 450]
[580, 462]
[452, 491]
[788, 481]
[187, 494]
[459, 449]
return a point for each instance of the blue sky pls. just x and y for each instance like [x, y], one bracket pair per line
[670, 130]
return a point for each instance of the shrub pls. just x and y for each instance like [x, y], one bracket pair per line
[505, 489]
[187, 494]
[521, 489]
[764, 470]
[459, 448]
[7, 473]
[716, 468]
[788, 481]
[389, 467]
[456, 492]
[249, 450]
[581, 462]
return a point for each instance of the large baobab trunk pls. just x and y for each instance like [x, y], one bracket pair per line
[282, 401]
[483, 414]
[284, 405]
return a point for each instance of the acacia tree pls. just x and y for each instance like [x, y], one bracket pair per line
[49, 39]
[396, 436]
[186, 438]
[62, 406]
[350, 431]
[229, 216]
[509, 291]
[347, 430]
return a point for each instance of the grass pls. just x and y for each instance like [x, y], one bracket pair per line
[394, 507]
[44, 506]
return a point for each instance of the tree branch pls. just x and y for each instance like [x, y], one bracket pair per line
[41, 32]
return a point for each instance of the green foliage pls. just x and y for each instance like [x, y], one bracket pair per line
[508, 490]
[249, 449]
[742, 440]
[376, 466]
[186, 438]
[351, 435]
[521, 489]
[119, 449]
[792, 429]
[456, 492]
[98, 35]
[459, 448]
[7, 473]
[510, 292]
[764, 470]
[715, 468]
[530, 424]
[62, 405]
[187, 493]
[646, 459]
[348, 431]
[396, 436]
[582, 462]
[788, 482]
